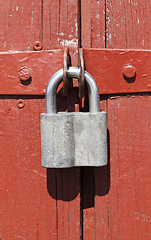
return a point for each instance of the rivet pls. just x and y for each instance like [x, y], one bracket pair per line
[20, 103]
[24, 73]
[129, 71]
[44, 91]
[37, 46]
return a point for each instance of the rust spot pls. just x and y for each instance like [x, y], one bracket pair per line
[81, 77]
[65, 67]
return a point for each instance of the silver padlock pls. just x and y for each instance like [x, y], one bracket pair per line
[76, 138]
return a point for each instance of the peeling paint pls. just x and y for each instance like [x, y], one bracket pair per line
[70, 43]
[76, 25]
[61, 34]
[143, 42]
[40, 174]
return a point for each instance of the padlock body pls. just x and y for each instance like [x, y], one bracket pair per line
[74, 139]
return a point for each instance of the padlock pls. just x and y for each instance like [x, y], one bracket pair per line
[75, 138]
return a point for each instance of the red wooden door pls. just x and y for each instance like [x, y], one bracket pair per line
[111, 202]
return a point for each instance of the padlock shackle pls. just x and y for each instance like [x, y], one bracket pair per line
[72, 72]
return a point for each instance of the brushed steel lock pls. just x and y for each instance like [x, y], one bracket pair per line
[76, 138]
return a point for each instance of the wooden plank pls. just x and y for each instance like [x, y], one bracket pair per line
[127, 27]
[92, 35]
[74, 204]
[102, 187]
[127, 24]
[21, 169]
[61, 28]
[37, 210]
[98, 24]
[20, 24]
[31, 200]
[92, 24]
[51, 24]
[129, 158]
[88, 203]
[52, 217]
[86, 24]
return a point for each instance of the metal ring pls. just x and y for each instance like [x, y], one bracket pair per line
[81, 77]
[72, 72]
[65, 67]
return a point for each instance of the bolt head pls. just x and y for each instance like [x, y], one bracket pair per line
[20, 103]
[129, 71]
[37, 46]
[24, 74]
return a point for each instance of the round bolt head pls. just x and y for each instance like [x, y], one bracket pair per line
[37, 46]
[129, 71]
[24, 74]
[20, 103]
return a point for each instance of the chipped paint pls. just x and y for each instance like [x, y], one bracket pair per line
[61, 34]
[69, 43]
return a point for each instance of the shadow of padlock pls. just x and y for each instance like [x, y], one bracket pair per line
[75, 138]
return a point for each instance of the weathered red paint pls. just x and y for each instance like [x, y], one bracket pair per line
[20, 103]
[119, 186]
[111, 202]
[34, 203]
[110, 77]
[42, 65]
[37, 46]
[24, 74]
[129, 71]
[119, 71]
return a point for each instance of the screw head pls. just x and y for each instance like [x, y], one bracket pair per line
[37, 46]
[24, 73]
[20, 103]
[129, 71]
